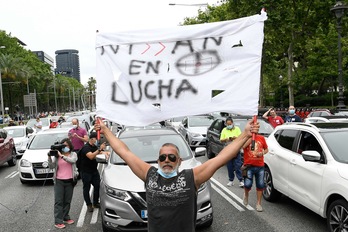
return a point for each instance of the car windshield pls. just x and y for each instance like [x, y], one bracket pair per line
[335, 141]
[200, 121]
[15, 132]
[147, 148]
[44, 141]
[32, 122]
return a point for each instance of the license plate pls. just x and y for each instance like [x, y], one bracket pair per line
[144, 214]
[44, 171]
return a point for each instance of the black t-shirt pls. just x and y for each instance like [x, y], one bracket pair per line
[88, 165]
[171, 203]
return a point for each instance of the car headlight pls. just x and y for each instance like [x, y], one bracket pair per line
[19, 144]
[202, 187]
[196, 134]
[117, 193]
[25, 163]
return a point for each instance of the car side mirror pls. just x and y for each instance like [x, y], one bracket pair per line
[200, 151]
[311, 155]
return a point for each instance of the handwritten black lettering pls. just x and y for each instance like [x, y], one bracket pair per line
[163, 89]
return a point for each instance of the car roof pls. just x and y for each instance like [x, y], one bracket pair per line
[11, 127]
[320, 126]
[54, 130]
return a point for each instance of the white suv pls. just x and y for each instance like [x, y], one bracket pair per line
[309, 164]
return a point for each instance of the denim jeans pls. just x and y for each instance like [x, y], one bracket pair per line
[89, 179]
[259, 173]
[234, 166]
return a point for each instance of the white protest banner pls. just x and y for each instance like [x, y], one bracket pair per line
[148, 76]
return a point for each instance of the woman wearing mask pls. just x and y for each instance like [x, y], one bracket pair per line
[64, 164]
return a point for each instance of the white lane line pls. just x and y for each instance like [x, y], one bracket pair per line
[94, 216]
[12, 174]
[227, 198]
[82, 215]
[231, 193]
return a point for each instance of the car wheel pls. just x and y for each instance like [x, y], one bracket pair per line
[210, 153]
[13, 160]
[269, 193]
[337, 215]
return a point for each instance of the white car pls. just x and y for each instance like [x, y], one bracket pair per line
[309, 164]
[34, 166]
[20, 135]
[45, 123]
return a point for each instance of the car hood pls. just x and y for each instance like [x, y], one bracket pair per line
[35, 156]
[198, 129]
[18, 139]
[122, 177]
[342, 170]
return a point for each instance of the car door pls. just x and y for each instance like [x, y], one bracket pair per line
[305, 177]
[2, 148]
[213, 136]
[279, 154]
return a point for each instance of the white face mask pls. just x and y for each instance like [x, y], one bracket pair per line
[74, 126]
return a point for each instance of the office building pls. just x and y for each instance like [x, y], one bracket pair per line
[44, 57]
[68, 63]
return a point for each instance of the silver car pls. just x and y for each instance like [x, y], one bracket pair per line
[194, 129]
[122, 193]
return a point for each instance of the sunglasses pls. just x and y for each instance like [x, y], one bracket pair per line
[171, 157]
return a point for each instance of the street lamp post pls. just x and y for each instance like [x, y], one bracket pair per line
[2, 96]
[339, 9]
[281, 91]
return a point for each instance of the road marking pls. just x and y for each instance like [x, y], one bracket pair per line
[227, 198]
[82, 215]
[94, 216]
[12, 174]
[229, 193]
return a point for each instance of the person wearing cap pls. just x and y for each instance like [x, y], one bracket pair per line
[171, 195]
[12, 123]
[89, 171]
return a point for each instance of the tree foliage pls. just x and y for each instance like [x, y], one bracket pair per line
[23, 73]
[300, 43]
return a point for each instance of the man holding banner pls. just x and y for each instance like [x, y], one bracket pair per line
[148, 76]
[173, 208]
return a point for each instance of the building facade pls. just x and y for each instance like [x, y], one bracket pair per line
[44, 57]
[68, 63]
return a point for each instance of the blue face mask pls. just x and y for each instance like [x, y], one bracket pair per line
[229, 127]
[291, 111]
[65, 149]
[167, 175]
[96, 143]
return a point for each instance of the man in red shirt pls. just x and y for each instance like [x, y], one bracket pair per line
[253, 160]
[273, 118]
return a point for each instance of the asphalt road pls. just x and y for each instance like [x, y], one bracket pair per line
[29, 207]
